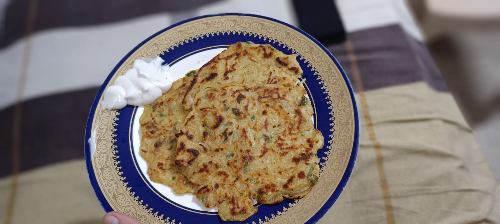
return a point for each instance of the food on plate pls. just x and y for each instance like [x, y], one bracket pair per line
[147, 80]
[160, 122]
[245, 64]
[237, 129]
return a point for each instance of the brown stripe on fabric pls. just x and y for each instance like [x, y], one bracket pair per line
[18, 109]
[66, 13]
[387, 56]
[358, 84]
[52, 129]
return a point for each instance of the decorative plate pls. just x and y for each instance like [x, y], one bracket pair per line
[118, 173]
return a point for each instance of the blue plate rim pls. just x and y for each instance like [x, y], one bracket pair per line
[347, 173]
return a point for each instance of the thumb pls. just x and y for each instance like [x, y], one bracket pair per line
[118, 218]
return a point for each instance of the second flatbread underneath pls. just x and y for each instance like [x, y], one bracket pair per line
[160, 122]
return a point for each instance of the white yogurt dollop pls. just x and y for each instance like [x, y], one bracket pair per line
[139, 86]
[92, 142]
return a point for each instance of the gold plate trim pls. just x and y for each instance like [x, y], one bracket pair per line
[192, 52]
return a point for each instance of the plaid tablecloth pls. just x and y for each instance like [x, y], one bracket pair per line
[418, 161]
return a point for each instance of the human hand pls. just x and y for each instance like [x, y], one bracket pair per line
[118, 218]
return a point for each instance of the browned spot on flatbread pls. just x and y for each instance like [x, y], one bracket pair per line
[247, 157]
[299, 122]
[190, 119]
[189, 136]
[278, 59]
[218, 121]
[193, 152]
[310, 143]
[288, 182]
[160, 165]
[178, 162]
[234, 206]
[301, 175]
[269, 78]
[240, 98]
[294, 69]
[303, 156]
[267, 55]
[226, 77]
[224, 174]
[204, 190]
[204, 169]
[243, 211]
[158, 144]
[244, 134]
[210, 77]
[204, 148]
[211, 96]
[271, 188]
[264, 151]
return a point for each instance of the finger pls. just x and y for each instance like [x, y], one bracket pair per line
[118, 218]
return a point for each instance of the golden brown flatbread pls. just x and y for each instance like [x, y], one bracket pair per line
[238, 128]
